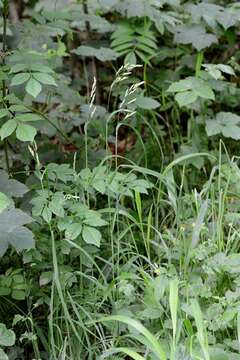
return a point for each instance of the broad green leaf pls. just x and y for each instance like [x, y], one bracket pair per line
[73, 231]
[8, 128]
[4, 202]
[146, 103]
[25, 132]
[57, 203]
[7, 337]
[93, 218]
[4, 112]
[204, 91]
[91, 235]
[28, 117]
[20, 79]
[18, 67]
[225, 123]
[33, 87]
[186, 98]
[41, 68]
[216, 70]
[13, 232]
[195, 35]
[44, 78]
[11, 187]
[3, 355]
[102, 54]
[183, 85]
[47, 214]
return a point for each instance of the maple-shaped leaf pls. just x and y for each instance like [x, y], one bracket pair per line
[13, 232]
[195, 35]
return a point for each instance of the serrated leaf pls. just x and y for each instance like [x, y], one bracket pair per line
[91, 236]
[25, 132]
[33, 87]
[8, 128]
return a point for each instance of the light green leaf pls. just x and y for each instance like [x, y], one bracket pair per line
[20, 79]
[4, 202]
[102, 54]
[7, 337]
[146, 103]
[33, 87]
[130, 58]
[13, 232]
[186, 98]
[41, 68]
[3, 113]
[11, 187]
[8, 128]
[195, 35]
[28, 117]
[73, 231]
[25, 132]
[3, 355]
[91, 235]
[44, 78]
[225, 123]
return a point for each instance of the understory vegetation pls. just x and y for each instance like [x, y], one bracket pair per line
[119, 180]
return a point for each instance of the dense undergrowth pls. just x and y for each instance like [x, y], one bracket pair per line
[119, 180]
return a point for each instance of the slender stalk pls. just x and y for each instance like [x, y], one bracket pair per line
[4, 88]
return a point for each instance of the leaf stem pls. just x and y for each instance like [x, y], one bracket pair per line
[4, 88]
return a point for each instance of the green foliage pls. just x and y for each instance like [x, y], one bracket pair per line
[119, 180]
[134, 41]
